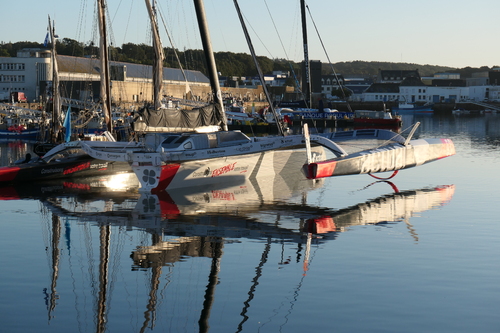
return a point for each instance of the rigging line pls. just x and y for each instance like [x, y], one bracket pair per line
[395, 135]
[175, 51]
[296, 292]
[259, 70]
[328, 58]
[258, 37]
[111, 35]
[286, 54]
[128, 21]
[255, 282]
[116, 12]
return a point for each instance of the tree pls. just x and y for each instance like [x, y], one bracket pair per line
[71, 47]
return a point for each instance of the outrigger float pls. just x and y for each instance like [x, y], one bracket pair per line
[397, 153]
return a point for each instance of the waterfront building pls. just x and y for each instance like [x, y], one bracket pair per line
[25, 72]
[31, 72]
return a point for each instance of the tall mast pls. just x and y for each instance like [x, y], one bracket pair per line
[209, 55]
[105, 72]
[259, 70]
[56, 100]
[158, 60]
[307, 69]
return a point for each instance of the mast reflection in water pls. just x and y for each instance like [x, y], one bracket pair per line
[187, 225]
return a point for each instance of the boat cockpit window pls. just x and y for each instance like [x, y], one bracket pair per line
[170, 139]
[182, 139]
[188, 145]
[74, 152]
[174, 141]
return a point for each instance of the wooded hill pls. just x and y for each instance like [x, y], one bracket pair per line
[229, 64]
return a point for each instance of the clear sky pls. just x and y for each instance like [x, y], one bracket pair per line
[435, 32]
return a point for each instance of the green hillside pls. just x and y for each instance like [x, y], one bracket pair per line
[230, 64]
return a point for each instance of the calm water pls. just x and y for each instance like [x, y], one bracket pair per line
[418, 254]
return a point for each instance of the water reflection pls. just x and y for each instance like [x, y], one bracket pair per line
[198, 222]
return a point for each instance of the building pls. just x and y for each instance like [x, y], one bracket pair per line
[31, 72]
[396, 76]
[413, 90]
[381, 92]
[25, 72]
[330, 83]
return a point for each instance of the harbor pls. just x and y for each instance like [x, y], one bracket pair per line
[262, 256]
[152, 187]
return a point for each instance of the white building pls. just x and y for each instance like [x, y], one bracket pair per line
[24, 73]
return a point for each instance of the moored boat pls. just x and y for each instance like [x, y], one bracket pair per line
[66, 160]
[412, 108]
[376, 118]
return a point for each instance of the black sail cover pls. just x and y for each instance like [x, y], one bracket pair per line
[147, 119]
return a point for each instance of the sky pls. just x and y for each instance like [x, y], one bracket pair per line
[434, 32]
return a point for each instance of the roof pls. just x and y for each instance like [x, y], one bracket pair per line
[397, 75]
[383, 88]
[412, 82]
[92, 66]
[449, 83]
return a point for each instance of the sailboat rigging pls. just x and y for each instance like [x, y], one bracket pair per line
[259, 70]
[181, 148]
[105, 70]
[56, 98]
[307, 68]
[169, 157]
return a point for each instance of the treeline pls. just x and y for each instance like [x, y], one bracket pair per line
[228, 64]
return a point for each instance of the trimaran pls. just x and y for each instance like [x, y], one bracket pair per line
[179, 148]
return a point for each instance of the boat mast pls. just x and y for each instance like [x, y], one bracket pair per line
[56, 254]
[259, 70]
[105, 72]
[209, 55]
[56, 100]
[158, 59]
[307, 70]
[104, 255]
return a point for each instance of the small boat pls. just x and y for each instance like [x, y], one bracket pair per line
[20, 123]
[307, 113]
[376, 118]
[412, 108]
[66, 160]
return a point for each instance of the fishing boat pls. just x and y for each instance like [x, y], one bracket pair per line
[376, 118]
[19, 123]
[413, 108]
[167, 160]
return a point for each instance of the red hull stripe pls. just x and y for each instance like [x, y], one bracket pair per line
[8, 174]
[9, 193]
[169, 209]
[448, 148]
[321, 169]
[168, 172]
